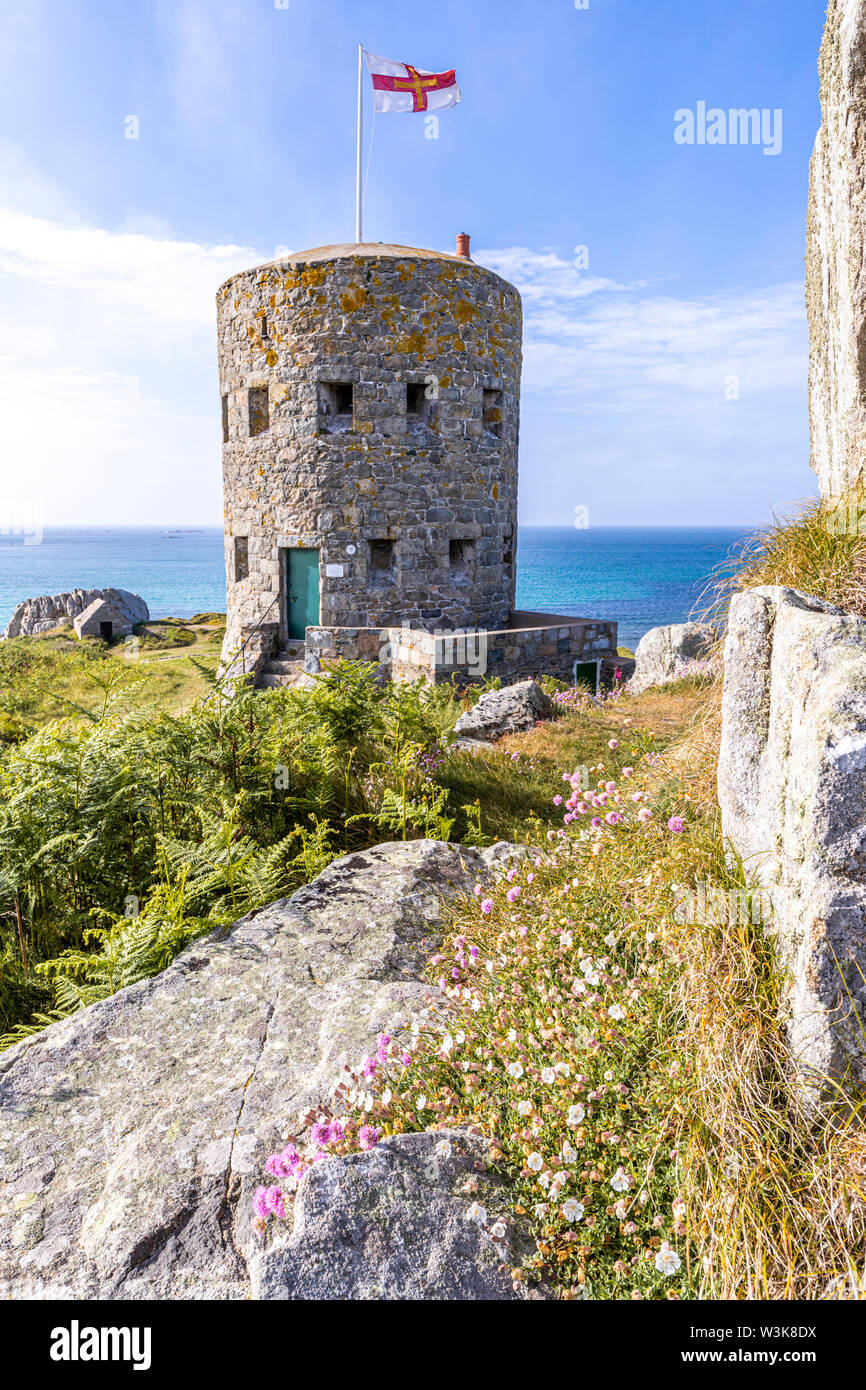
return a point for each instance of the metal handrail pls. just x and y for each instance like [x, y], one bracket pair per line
[242, 647]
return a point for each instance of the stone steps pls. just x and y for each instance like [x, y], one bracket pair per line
[280, 670]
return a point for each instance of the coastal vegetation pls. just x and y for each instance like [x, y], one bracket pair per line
[624, 1053]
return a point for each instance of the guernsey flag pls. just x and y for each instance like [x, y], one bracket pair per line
[400, 87]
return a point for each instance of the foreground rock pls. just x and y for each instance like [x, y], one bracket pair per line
[836, 245]
[43, 614]
[395, 1223]
[133, 1135]
[511, 710]
[792, 789]
[667, 654]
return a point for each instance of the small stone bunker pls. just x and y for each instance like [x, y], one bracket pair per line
[102, 619]
[370, 420]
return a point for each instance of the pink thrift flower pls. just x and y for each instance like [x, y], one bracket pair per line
[557, 801]
[676, 825]
[513, 894]
[487, 907]
[368, 1137]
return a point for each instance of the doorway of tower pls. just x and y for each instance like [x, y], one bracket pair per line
[300, 592]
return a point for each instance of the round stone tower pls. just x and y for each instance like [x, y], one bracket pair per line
[370, 408]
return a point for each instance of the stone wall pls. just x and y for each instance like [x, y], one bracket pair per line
[428, 347]
[836, 242]
[513, 653]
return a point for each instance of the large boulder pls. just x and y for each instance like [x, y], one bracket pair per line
[134, 1133]
[836, 250]
[511, 710]
[792, 790]
[37, 615]
[398, 1222]
[667, 654]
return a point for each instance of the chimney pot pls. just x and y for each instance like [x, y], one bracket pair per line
[463, 245]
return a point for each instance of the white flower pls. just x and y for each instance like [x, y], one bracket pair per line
[535, 1163]
[387, 1095]
[512, 1035]
[497, 1230]
[576, 1115]
[548, 1076]
[616, 1011]
[489, 967]
[608, 1076]
[610, 939]
[566, 938]
[573, 1210]
[443, 1148]
[447, 1044]
[583, 1293]
[564, 1069]
[368, 1102]
[620, 1182]
[421, 1102]
[525, 1108]
[515, 1069]
[476, 1213]
[476, 1003]
[540, 1210]
[587, 966]
[578, 987]
[667, 1260]
[544, 1181]
[569, 1153]
[460, 1036]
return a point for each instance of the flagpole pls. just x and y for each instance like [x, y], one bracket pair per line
[358, 194]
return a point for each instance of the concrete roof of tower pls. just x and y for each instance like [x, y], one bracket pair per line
[368, 248]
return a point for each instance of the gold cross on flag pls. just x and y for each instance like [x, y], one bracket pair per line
[401, 87]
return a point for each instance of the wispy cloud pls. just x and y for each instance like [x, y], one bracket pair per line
[592, 343]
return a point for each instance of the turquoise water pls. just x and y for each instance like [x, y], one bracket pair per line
[640, 577]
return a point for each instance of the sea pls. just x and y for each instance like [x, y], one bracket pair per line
[641, 577]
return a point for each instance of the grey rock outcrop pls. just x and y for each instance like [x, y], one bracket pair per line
[133, 1135]
[37, 615]
[395, 1223]
[792, 789]
[836, 248]
[668, 653]
[511, 710]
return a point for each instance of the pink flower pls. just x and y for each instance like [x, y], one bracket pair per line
[513, 894]
[487, 907]
[676, 825]
[613, 818]
[368, 1137]
[557, 801]
[613, 743]
[644, 814]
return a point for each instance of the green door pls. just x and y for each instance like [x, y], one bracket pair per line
[302, 591]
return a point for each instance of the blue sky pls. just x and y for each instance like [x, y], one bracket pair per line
[665, 383]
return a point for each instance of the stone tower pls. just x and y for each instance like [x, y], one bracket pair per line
[370, 408]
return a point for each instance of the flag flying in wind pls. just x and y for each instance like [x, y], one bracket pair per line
[400, 87]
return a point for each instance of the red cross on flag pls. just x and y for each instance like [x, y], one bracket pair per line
[400, 87]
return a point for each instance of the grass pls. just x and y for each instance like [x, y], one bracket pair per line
[56, 676]
[661, 1153]
[813, 551]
